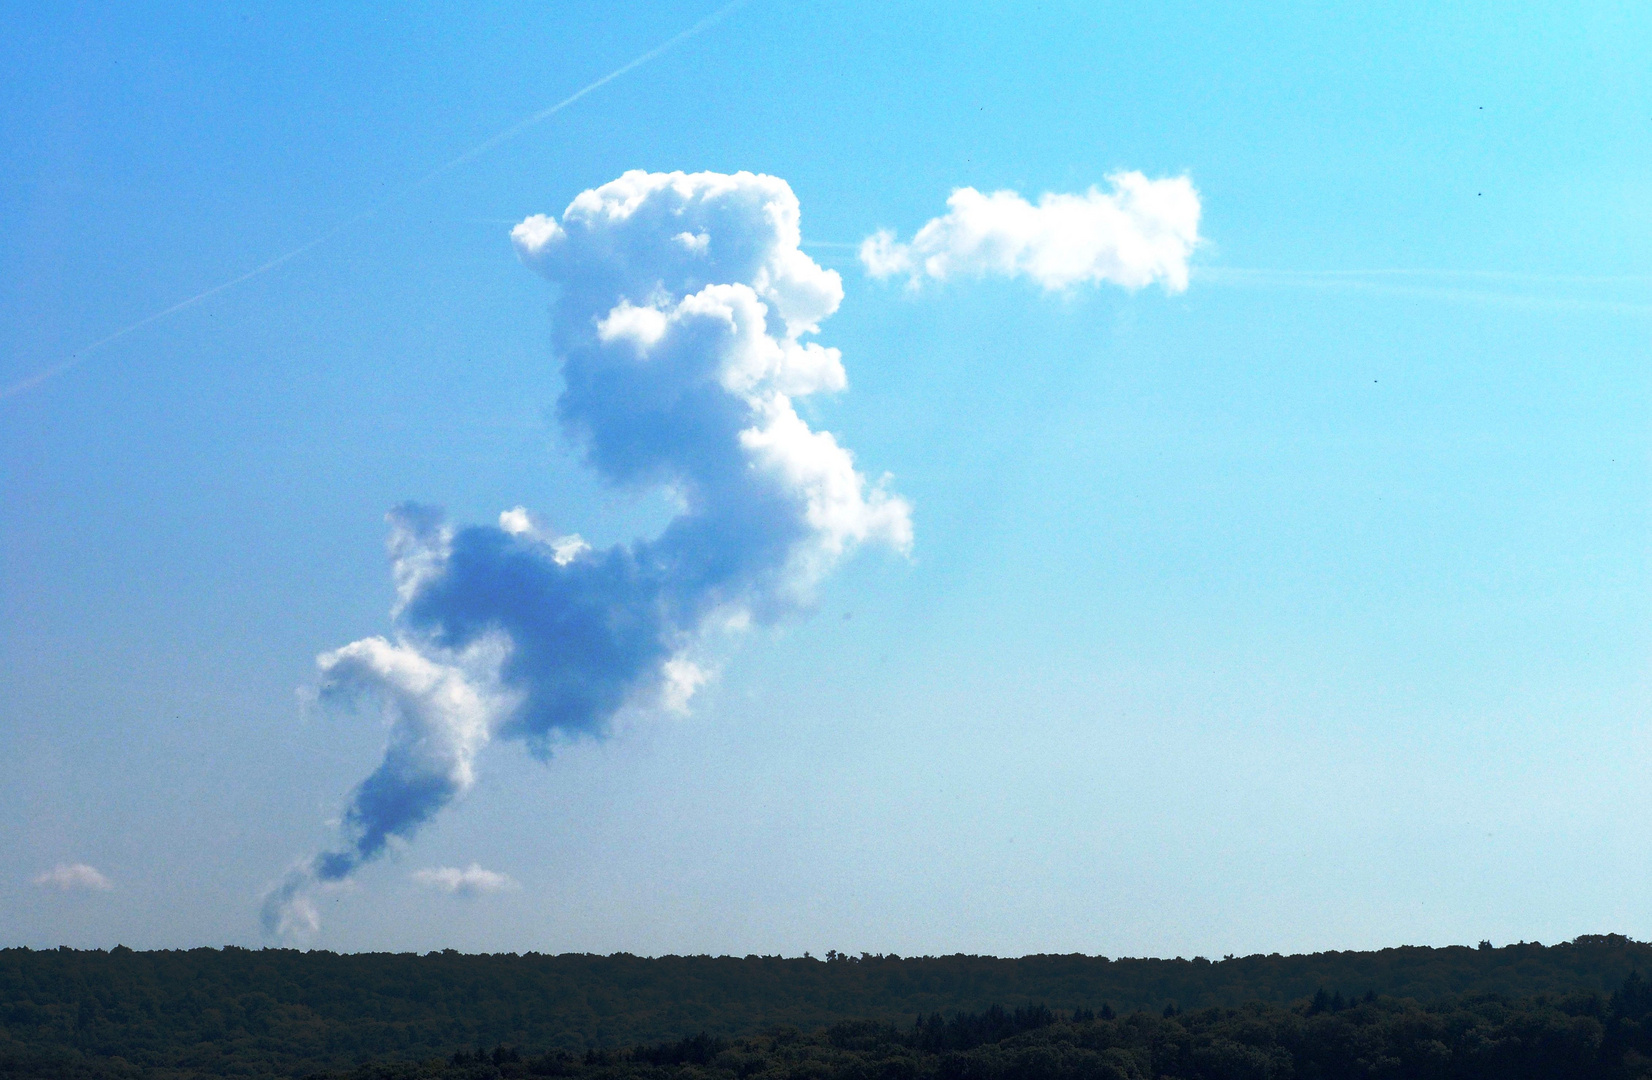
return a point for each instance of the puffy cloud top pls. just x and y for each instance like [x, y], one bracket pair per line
[672, 234]
[1141, 232]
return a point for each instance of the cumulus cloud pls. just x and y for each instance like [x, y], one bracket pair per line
[681, 317]
[1141, 232]
[471, 881]
[70, 876]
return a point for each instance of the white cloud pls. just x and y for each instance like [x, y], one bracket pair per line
[290, 913]
[519, 522]
[471, 881]
[565, 549]
[1141, 232]
[682, 677]
[419, 547]
[682, 310]
[67, 876]
[640, 327]
[442, 709]
[695, 242]
[536, 231]
[685, 276]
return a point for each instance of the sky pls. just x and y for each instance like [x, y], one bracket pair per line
[1280, 585]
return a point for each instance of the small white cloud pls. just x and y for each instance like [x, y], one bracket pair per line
[536, 232]
[682, 677]
[640, 327]
[696, 243]
[289, 912]
[565, 549]
[471, 881]
[1141, 232]
[295, 918]
[517, 521]
[67, 876]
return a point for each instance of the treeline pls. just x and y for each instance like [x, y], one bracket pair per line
[1485, 1037]
[272, 1012]
[1577, 1037]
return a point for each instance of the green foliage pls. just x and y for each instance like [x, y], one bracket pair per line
[1472, 1038]
[267, 1013]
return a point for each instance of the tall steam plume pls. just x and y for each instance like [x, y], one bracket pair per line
[680, 313]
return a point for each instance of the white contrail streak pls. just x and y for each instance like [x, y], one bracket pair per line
[1393, 282]
[79, 357]
[1518, 277]
[76, 358]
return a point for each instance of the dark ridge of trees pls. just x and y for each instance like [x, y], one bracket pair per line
[966, 1031]
[1478, 1037]
[272, 1012]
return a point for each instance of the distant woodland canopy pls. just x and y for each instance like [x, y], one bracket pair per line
[1576, 1009]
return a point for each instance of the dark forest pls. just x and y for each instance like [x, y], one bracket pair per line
[1578, 1009]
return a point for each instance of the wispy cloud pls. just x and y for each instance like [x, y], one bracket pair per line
[71, 876]
[471, 881]
[1141, 232]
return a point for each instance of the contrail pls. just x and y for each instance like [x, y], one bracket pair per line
[79, 357]
[1513, 276]
[1392, 282]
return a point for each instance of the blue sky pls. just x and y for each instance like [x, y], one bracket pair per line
[1306, 608]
